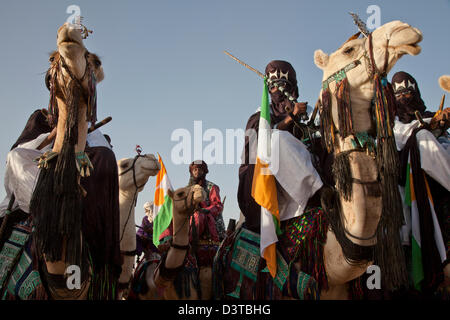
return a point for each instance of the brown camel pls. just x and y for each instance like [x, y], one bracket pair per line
[160, 278]
[71, 79]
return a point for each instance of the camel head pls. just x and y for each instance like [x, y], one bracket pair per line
[144, 166]
[403, 39]
[70, 46]
[187, 199]
[444, 82]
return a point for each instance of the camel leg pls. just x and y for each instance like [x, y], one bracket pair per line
[205, 277]
[173, 262]
[58, 288]
[127, 273]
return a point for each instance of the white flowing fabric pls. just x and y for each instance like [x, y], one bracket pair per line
[434, 157]
[297, 179]
[21, 169]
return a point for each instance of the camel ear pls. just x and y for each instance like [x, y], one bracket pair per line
[444, 82]
[170, 193]
[321, 59]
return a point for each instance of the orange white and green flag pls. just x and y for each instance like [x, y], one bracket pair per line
[264, 189]
[416, 245]
[162, 205]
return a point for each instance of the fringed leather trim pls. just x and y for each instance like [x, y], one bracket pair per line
[84, 164]
[45, 158]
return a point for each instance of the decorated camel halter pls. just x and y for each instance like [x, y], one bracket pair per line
[345, 118]
[90, 96]
[137, 187]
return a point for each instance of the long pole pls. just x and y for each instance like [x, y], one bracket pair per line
[244, 64]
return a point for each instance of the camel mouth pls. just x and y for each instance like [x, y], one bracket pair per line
[154, 168]
[411, 49]
[67, 42]
[405, 40]
[69, 36]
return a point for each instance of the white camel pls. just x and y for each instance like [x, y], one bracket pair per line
[133, 175]
[361, 214]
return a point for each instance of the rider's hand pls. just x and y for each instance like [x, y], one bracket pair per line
[441, 121]
[299, 108]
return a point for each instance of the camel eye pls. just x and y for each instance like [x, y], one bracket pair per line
[180, 194]
[51, 59]
[124, 165]
[348, 50]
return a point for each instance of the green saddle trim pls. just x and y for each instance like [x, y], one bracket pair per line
[9, 253]
[246, 259]
[282, 271]
[364, 140]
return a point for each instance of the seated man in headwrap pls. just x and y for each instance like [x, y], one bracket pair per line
[297, 185]
[144, 236]
[284, 73]
[208, 219]
[422, 149]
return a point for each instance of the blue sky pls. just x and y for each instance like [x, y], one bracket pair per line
[165, 67]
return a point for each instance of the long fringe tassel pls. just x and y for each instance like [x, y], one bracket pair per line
[343, 175]
[326, 121]
[56, 202]
[53, 105]
[103, 284]
[310, 252]
[92, 99]
[388, 246]
[344, 108]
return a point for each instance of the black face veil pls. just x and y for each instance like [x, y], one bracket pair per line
[403, 83]
[283, 73]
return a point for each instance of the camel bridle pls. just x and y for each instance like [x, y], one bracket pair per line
[87, 69]
[372, 70]
[134, 202]
[188, 197]
[370, 62]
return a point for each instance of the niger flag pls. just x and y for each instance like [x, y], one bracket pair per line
[162, 205]
[264, 189]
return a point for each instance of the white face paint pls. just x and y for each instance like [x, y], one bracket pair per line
[284, 75]
[399, 86]
[411, 85]
[273, 74]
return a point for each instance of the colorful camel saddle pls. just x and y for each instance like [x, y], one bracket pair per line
[241, 273]
[246, 260]
[19, 280]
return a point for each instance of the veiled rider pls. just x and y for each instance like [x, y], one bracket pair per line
[424, 148]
